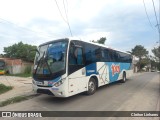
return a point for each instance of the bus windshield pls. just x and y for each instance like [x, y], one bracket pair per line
[51, 58]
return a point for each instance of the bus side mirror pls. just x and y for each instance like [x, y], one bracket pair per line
[34, 50]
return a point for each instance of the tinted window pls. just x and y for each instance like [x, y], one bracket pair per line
[72, 57]
[109, 55]
[79, 56]
[76, 53]
[123, 57]
[105, 55]
[117, 57]
[112, 55]
[92, 53]
[75, 56]
[95, 53]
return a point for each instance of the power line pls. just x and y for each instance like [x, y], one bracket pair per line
[67, 18]
[159, 51]
[156, 16]
[147, 14]
[65, 11]
[60, 11]
[66, 21]
[67, 5]
[24, 28]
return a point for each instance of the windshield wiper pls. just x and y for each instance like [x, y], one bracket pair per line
[39, 62]
[45, 60]
[42, 60]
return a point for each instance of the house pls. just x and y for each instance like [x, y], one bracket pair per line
[11, 61]
[135, 61]
[15, 66]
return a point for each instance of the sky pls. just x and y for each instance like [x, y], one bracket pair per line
[123, 22]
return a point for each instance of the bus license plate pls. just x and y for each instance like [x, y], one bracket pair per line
[39, 83]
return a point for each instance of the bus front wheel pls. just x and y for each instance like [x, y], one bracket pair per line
[91, 86]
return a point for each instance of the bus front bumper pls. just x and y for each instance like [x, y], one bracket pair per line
[54, 91]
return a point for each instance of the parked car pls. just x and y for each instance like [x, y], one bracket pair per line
[153, 70]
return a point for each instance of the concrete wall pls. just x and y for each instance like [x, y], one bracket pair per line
[135, 69]
[134, 62]
[17, 69]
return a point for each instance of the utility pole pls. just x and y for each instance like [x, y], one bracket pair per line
[159, 51]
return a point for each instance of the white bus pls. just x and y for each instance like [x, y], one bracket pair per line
[66, 67]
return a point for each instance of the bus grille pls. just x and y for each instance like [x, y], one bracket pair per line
[45, 91]
[43, 86]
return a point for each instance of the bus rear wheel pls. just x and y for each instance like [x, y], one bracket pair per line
[124, 78]
[91, 86]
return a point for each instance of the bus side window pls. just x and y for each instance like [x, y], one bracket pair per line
[106, 55]
[111, 55]
[116, 56]
[98, 55]
[75, 56]
[79, 56]
[72, 58]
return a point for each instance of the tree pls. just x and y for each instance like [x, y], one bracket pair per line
[20, 51]
[144, 62]
[156, 52]
[1, 55]
[102, 40]
[141, 53]
[154, 64]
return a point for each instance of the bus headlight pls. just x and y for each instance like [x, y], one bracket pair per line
[59, 83]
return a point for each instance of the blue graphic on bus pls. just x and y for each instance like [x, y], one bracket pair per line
[91, 69]
[115, 69]
[113, 72]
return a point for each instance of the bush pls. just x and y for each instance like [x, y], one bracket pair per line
[27, 70]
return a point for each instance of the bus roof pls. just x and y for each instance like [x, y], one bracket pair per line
[73, 38]
[78, 39]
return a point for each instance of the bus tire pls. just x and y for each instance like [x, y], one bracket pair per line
[124, 77]
[91, 87]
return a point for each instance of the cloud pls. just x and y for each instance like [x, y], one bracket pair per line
[11, 34]
[122, 22]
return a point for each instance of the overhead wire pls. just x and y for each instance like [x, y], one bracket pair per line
[67, 6]
[156, 16]
[66, 21]
[147, 14]
[159, 56]
[60, 11]
[24, 28]
[67, 18]
[158, 25]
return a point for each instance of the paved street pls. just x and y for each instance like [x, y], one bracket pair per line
[139, 93]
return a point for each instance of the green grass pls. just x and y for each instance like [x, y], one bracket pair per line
[13, 100]
[17, 99]
[4, 88]
[20, 75]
